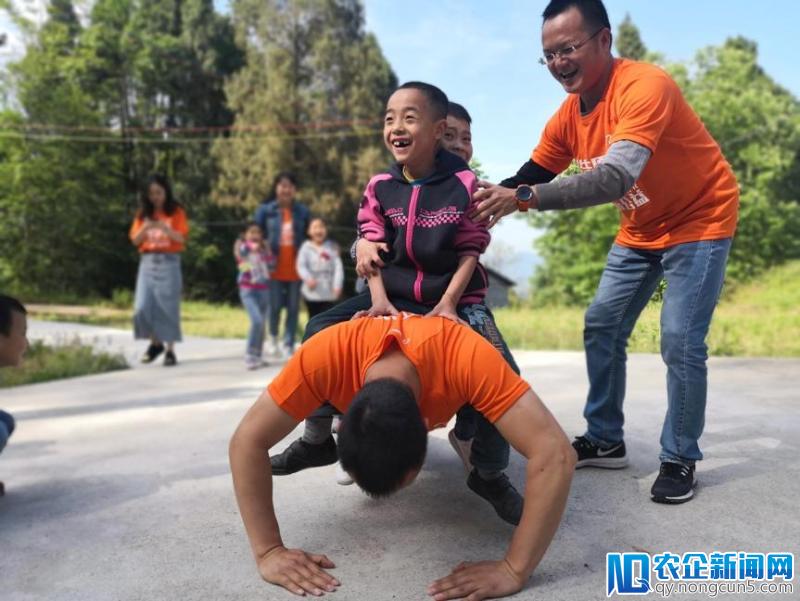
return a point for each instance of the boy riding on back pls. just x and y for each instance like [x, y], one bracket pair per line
[416, 213]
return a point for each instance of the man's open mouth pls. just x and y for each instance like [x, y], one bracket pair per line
[564, 75]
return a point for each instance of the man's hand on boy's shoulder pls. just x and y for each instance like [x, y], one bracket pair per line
[297, 571]
[494, 202]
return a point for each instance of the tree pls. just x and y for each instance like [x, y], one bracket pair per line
[629, 42]
[140, 77]
[308, 100]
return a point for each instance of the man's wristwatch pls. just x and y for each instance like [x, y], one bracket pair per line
[523, 196]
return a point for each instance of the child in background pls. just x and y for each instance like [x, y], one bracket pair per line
[320, 267]
[13, 344]
[255, 260]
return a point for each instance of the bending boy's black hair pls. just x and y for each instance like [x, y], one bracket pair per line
[382, 437]
[459, 112]
[593, 12]
[436, 98]
[9, 304]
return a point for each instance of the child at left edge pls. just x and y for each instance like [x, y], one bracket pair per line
[13, 344]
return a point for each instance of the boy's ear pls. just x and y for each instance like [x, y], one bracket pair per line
[439, 128]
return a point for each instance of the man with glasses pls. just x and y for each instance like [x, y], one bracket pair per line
[641, 146]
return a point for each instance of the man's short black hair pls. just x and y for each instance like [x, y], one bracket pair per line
[436, 98]
[8, 305]
[593, 12]
[459, 112]
[382, 437]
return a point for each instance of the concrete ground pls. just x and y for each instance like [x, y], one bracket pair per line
[118, 485]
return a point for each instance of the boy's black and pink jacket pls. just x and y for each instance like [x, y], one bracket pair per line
[427, 228]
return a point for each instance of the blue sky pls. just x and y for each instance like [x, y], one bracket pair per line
[483, 54]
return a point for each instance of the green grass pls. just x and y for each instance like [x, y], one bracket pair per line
[756, 319]
[43, 363]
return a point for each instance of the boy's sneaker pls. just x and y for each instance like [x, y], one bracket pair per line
[593, 455]
[675, 484]
[342, 477]
[300, 456]
[252, 362]
[152, 352]
[505, 499]
[170, 359]
[463, 448]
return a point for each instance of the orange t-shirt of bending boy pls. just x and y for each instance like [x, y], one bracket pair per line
[155, 240]
[687, 191]
[455, 365]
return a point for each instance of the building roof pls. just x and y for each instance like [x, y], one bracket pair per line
[503, 279]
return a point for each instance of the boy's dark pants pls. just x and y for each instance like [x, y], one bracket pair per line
[490, 450]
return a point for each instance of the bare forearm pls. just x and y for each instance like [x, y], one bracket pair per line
[546, 490]
[462, 276]
[252, 481]
[377, 290]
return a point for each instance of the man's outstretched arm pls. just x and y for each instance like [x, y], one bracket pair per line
[532, 430]
[264, 425]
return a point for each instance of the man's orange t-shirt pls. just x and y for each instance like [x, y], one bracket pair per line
[286, 265]
[455, 366]
[687, 191]
[156, 241]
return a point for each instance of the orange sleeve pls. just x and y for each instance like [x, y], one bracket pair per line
[137, 224]
[181, 223]
[645, 109]
[553, 151]
[483, 377]
[292, 389]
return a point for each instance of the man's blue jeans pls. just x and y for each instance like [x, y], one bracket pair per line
[6, 428]
[694, 272]
[284, 294]
[256, 302]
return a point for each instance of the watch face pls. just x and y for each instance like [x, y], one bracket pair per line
[524, 193]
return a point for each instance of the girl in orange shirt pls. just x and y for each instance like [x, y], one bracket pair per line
[159, 232]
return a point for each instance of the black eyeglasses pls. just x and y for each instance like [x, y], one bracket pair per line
[552, 55]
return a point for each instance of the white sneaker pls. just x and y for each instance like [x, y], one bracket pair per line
[252, 362]
[342, 477]
[463, 448]
[274, 348]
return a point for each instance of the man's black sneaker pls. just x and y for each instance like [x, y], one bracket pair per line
[301, 455]
[170, 359]
[505, 499]
[675, 484]
[592, 455]
[153, 351]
